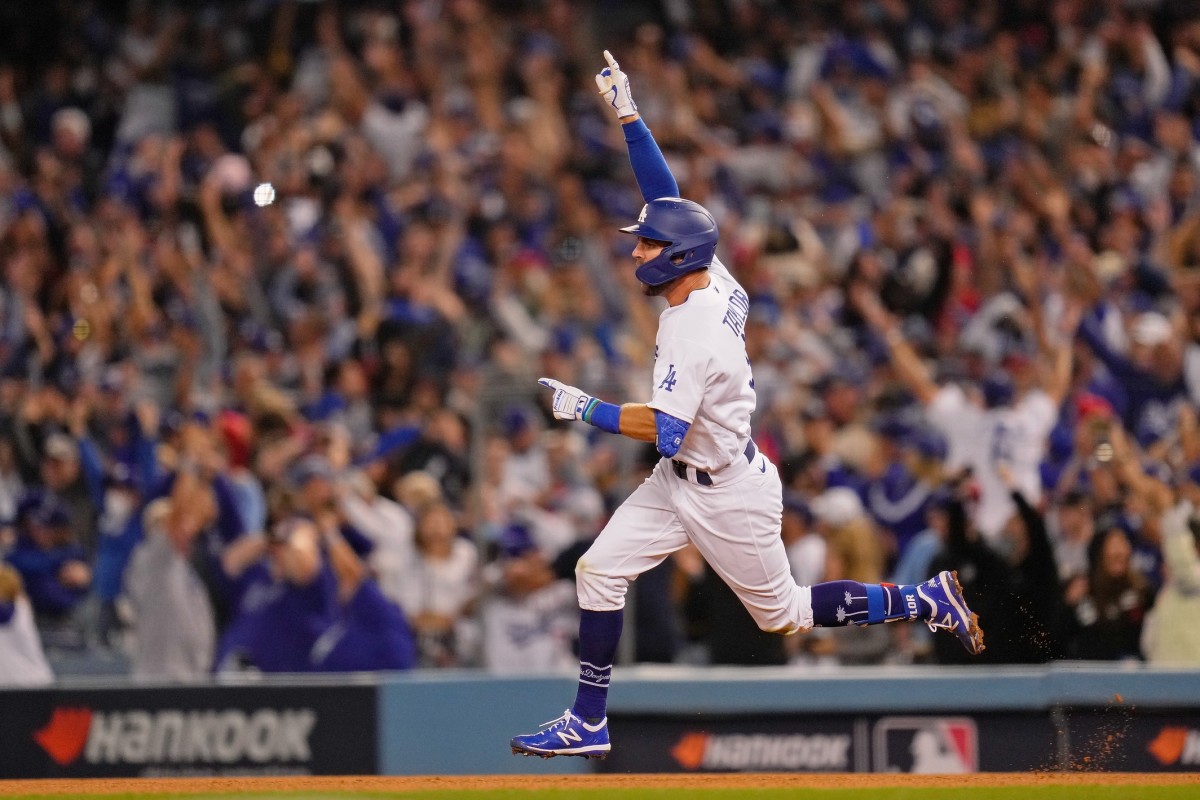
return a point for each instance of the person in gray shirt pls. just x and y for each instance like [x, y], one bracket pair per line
[173, 628]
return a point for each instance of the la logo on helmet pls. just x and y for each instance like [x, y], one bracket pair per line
[642, 216]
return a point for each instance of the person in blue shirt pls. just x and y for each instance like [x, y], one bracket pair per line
[899, 497]
[369, 632]
[311, 605]
[1150, 373]
[289, 600]
[52, 564]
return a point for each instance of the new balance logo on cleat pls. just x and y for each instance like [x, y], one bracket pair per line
[566, 736]
[948, 610]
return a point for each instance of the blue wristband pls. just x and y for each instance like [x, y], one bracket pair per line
[605, 416]
[876, 599]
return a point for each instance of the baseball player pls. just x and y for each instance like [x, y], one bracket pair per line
[712, 487]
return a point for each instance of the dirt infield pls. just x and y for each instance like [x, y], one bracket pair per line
[99, 786]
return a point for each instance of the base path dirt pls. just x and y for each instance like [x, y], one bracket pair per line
[101, 786]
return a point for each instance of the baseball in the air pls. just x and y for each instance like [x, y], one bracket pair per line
[264, 194]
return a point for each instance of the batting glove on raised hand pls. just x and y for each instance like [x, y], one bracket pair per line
[569, 402]
[614, 88]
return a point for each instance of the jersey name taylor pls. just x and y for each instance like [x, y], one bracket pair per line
[701, 373]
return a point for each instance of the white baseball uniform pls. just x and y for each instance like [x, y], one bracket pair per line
[22, 660]
[983, 438]
[718, 492]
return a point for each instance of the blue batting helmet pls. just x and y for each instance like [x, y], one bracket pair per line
[689, 230]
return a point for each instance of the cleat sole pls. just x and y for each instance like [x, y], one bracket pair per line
[974, 631]
[518, 752]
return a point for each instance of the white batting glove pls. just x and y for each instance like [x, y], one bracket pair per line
[569, 402]
[614, 88]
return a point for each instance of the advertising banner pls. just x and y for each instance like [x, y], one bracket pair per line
[188, 731]
[827, 743]
[1118, 739]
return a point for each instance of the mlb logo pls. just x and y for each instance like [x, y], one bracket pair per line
[929, 745]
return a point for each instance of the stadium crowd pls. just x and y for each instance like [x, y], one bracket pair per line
[299, 429]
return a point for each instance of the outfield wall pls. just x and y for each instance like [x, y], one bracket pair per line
[663, 719]
[864, 719]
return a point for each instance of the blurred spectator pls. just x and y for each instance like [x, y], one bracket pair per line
[369, 631]
[1071, 529]
[439, 589]
[806, 547]
[1169, 634]
[569, 509]
[526, 472]
[22, 661]
[75, 483]
[1150, 372]
[1109, 615]
[314, 494]
[898, 497]
[852, 548]
[288, 602]
[440, 450]
[921, 203]
[387, 524]
[529, 616]
[917, 560]
[172, 626]
[189, 451]
[1014, 577]
[11, 485]
[236, 438]
[417, 491]
[1003, 427]
[1125, 493]
[53, 566]
[926, 546]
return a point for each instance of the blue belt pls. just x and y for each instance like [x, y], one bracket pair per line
[702, 477]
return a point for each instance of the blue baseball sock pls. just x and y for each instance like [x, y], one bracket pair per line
[599, 632]
[838, 603]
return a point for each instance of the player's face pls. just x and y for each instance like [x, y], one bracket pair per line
[643, 251]
[646, 249]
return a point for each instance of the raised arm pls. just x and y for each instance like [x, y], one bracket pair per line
[1179, 549]
[650, 168]
[904, 359]
[1060, 354]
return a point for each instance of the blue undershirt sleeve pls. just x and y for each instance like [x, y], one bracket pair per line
[650, 168]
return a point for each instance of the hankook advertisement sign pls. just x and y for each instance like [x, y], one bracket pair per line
[189, 731]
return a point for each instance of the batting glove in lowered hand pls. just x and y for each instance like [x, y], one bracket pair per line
[614, 88]
[569, 402]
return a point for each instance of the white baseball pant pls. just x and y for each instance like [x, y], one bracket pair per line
[734, 523]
